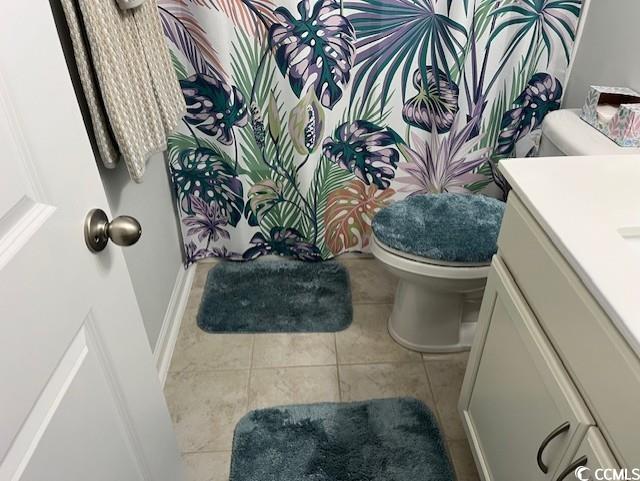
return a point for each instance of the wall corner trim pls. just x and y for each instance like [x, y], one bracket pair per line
[168, 336]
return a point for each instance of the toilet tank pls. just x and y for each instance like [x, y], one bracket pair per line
[565, 133]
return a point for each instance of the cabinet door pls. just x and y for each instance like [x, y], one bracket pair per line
[521, 411]
[592, 455]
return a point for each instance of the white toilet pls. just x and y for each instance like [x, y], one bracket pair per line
[437, 302]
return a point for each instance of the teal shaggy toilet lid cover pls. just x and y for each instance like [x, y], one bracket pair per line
[443, 227]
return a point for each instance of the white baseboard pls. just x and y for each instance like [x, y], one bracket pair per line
[171, 323]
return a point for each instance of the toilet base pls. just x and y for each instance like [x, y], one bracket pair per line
[467, 333]
[427, 320]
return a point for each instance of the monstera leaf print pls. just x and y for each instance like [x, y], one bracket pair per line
[282, 241]
[349, 213]
[263, 196]
[394, 33]
[356, 147]
[317, 48]
[541, 96]
[214, 107]
[202, 173]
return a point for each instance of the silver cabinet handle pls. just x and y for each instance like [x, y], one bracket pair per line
[572, 467]
[123, 230]
[563, 428]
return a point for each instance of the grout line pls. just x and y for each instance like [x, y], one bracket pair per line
[253, 346]
[367, 363]
[208, 451]
[264, 368]
[304, 366]
[439, 418]
[373, 303]
[445, 437]
[433, 394]
[225, 369]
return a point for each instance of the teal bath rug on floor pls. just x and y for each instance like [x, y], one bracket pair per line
[380, 440]
[276, 295]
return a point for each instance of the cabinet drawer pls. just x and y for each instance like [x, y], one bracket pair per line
[592, 454]
[516, 392]
[601, 363]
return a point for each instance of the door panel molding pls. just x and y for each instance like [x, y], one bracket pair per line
[86, 343]
[17, 142]
[20, 225]
[34, 427]
[115, 388]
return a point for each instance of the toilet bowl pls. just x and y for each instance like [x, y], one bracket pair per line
[436, 304]
[439, 246]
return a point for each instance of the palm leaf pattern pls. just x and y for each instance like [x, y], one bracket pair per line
[395, 33]
[252, 16]
[183, 30]
[541, 20]
[306, 117]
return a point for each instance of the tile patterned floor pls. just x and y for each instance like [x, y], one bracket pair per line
[215, 379]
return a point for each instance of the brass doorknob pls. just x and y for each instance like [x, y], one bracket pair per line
[123, 230]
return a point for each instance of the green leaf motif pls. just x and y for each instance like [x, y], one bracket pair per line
[275, 127]
[203, 172]
[306, 124]
[181, 71]
[400, 33]
[543, 19]
[263, 196]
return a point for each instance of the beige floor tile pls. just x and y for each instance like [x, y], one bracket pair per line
[207, 466]
[367, 339]
[197, 350]
[446, 378]
[286, 350]
[463, 461]
[193, 303]
[205, 407]
[359, 382]
[292, 385]
[202, 269]
[370, 283]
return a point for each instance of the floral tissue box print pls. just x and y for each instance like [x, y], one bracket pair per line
[623, 127]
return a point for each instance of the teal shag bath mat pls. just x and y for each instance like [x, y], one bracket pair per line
[276, 295]
[381, 440]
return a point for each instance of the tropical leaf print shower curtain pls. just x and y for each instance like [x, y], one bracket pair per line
[304, 118]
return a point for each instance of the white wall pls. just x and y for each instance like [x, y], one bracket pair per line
[155, 261]
[607, 52]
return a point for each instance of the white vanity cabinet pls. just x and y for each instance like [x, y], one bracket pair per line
[551, 385]
[593, 454]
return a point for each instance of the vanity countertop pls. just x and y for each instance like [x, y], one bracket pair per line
[585, 205]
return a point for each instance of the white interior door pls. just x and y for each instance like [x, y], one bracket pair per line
[79, 395]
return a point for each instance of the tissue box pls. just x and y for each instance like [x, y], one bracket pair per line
[622, 125]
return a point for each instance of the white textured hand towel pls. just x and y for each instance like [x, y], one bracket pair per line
[131, 88]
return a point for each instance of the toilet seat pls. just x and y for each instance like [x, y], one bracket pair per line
[447, 228]
[425, 266]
